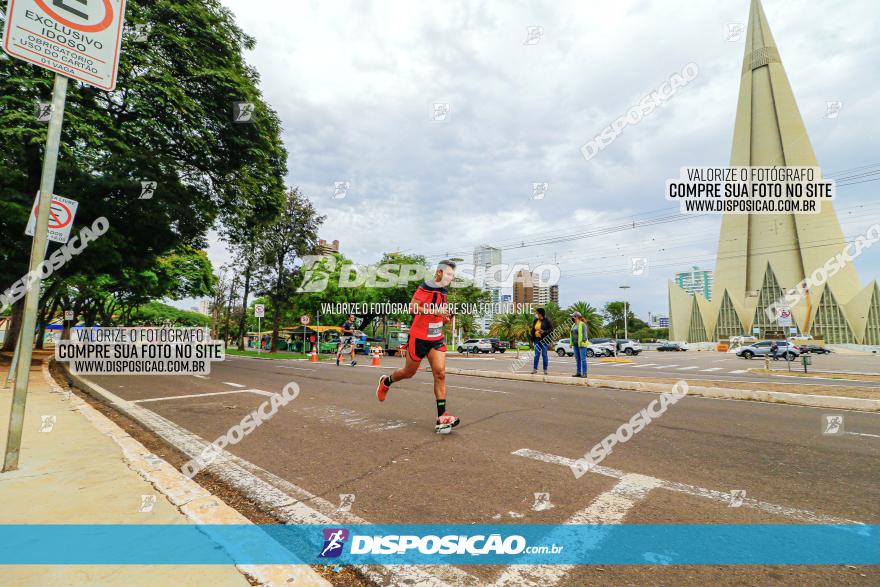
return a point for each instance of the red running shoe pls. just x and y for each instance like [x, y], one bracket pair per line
[382, 390]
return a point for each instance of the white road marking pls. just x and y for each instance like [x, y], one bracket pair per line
[667, 366]
[712, 369]
[719, 496]
[863, 434]
[645, 365]
[610, 507]
[471, 388]
[688, 368]
[327, 414]
[200, 376]
[159, 399]
[740, 371]
[230, 384]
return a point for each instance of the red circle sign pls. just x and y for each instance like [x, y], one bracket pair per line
[86, 28]
[304, 320]
[59, 215]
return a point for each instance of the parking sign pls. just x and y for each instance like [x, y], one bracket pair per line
[259, 310]
[76, 38]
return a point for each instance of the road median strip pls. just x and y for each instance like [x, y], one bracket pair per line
[780, 397]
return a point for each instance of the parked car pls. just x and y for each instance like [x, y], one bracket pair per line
[628, 347]
[499, 345]
[760, 349]
[670, 346]
[564, 348]
[602, 347]
[814, 348]
[475, 345]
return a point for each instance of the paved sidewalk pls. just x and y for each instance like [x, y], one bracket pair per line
[78, 467]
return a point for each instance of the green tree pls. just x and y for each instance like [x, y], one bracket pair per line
[170, 121]
[159, 314]
[507, 327]
[524, 327]
[613, 314]
[591, 315]
[292, 236]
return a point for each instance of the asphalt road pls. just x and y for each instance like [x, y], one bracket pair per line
[516, 439]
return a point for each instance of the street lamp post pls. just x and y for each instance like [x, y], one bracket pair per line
[625, 311]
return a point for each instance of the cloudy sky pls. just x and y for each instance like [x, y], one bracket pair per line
[355, 85]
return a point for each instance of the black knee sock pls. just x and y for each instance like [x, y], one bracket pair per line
[441, 407]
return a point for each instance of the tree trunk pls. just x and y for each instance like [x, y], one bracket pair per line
[229, 312]
[244, 301]
[276, 326]
[41, 326]
[13, 326]
[277, 302]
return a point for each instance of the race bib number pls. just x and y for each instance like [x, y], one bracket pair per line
[435, 329]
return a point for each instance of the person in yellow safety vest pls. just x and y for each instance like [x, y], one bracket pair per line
[579, 343]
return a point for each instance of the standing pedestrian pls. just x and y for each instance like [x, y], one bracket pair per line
[541, 328]
[774, 350]
[579, 342]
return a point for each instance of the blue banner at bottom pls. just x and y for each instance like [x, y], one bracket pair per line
[623, 544]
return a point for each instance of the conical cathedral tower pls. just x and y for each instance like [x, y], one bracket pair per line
[760, 255]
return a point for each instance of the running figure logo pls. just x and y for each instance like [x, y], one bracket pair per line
[334, 540]
[832, 424]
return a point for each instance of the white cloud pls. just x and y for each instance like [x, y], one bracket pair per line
[354, 82]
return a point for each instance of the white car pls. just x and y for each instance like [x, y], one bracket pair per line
[476, 345]
[563, 348]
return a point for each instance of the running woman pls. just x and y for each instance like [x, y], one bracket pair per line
[347, 338]
[426, 340]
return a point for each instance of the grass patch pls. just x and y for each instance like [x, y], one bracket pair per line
[281, 355]
[819, 375]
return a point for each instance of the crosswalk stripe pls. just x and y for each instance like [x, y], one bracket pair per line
[666, 366]
[644, 365]
[610, 507]
[740, 371]
[688, 368]
[712, 369]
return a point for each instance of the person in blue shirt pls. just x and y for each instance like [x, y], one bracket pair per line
[579, 343]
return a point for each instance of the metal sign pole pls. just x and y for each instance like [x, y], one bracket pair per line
[38, 253]
[259, 335]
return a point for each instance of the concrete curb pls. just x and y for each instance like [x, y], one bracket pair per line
[194, 501]
[774, 397]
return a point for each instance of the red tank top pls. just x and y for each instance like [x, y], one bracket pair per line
[426, 326]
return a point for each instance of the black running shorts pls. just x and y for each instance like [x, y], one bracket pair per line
[418, 349]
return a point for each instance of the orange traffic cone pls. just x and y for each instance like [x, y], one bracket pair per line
[376, 361]
[313, 357]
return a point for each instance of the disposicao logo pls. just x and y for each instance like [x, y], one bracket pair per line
[334, 541]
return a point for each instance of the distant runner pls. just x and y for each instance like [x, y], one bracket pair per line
[430, 313]
[346, 340]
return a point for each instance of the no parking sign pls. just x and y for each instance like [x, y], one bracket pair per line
[61, 213]
[783, 316]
